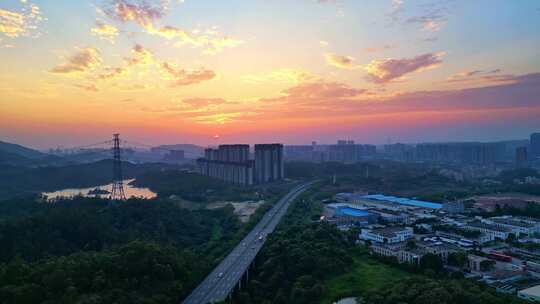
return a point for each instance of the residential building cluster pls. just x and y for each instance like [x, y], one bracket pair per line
[232, 163]
[345, 151]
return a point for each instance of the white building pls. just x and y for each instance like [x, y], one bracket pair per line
[389, 235]
[491, 231]
[530, 294]
[517, 225]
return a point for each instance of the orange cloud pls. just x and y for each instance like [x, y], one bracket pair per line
[280, 76]
[386, 70]
[20, 24]
[83, 60]
[208, 40]
[138, 11]
[141, 56]
[342, 62]
[183, 77]
[87, 87]
[105, 31]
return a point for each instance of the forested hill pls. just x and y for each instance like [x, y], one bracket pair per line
[18, 181]
[89, 251]
[6, 147]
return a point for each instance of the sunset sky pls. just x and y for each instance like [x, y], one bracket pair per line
[251, 71]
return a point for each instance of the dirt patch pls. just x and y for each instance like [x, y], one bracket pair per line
[243, 210]
[489, 202]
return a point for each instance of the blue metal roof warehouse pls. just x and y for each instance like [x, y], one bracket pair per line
[403, 201]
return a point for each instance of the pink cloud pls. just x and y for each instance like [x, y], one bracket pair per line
[385, 70]
[183, 77]
[139, 11]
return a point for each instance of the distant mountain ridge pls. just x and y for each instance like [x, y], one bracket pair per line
[21, 150]
[17, 155]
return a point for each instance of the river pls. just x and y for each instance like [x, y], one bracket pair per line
[104, 192]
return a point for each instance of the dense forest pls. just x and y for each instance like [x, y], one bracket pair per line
[422, 181]
[199, 188]
[92, 224]
[90, 251]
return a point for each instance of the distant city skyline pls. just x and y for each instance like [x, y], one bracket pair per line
[210, 72]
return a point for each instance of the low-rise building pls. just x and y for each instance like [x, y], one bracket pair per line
[387, 250]
[389, 216]
[530, 294]
[454, 207]
[517, 225]
[475, 261]
[344, 215]
[437, 248]
[406, 254]
[495, 232]
[389, 235]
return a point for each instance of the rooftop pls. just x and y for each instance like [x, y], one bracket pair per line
[389, 231]
[489, 227]
[533, 291]
[512, 222]
[403, 201]
[351, 211]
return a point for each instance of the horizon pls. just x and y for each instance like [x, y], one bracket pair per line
[169, 71]
[251, 144]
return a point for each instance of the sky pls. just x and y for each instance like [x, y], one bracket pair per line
[254, 71]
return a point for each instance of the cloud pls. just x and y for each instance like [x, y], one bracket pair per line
[323, 90]
[293, 76]
[518, 91]
[147, 14]
[83, 60]
[338, 61]
[105, 31]
[327, 101]
[204, 102]
[396, 11]
[141, 56]
[379, 49]
[223, 118]
[433, 16]
[111, 73]
[323, 101]
[139, 11]
[431, 22]
[21, 23]
[385, 70]
[482, 78]
[467, 75]
[87, 87]
[183, 77]
[210, 40]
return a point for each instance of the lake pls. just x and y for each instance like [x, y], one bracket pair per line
[103, 191]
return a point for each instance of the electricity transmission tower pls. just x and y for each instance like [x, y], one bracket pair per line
[117, 192]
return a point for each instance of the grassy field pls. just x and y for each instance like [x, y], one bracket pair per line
[366, 274]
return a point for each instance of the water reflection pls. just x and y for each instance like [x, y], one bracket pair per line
[101, 192]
